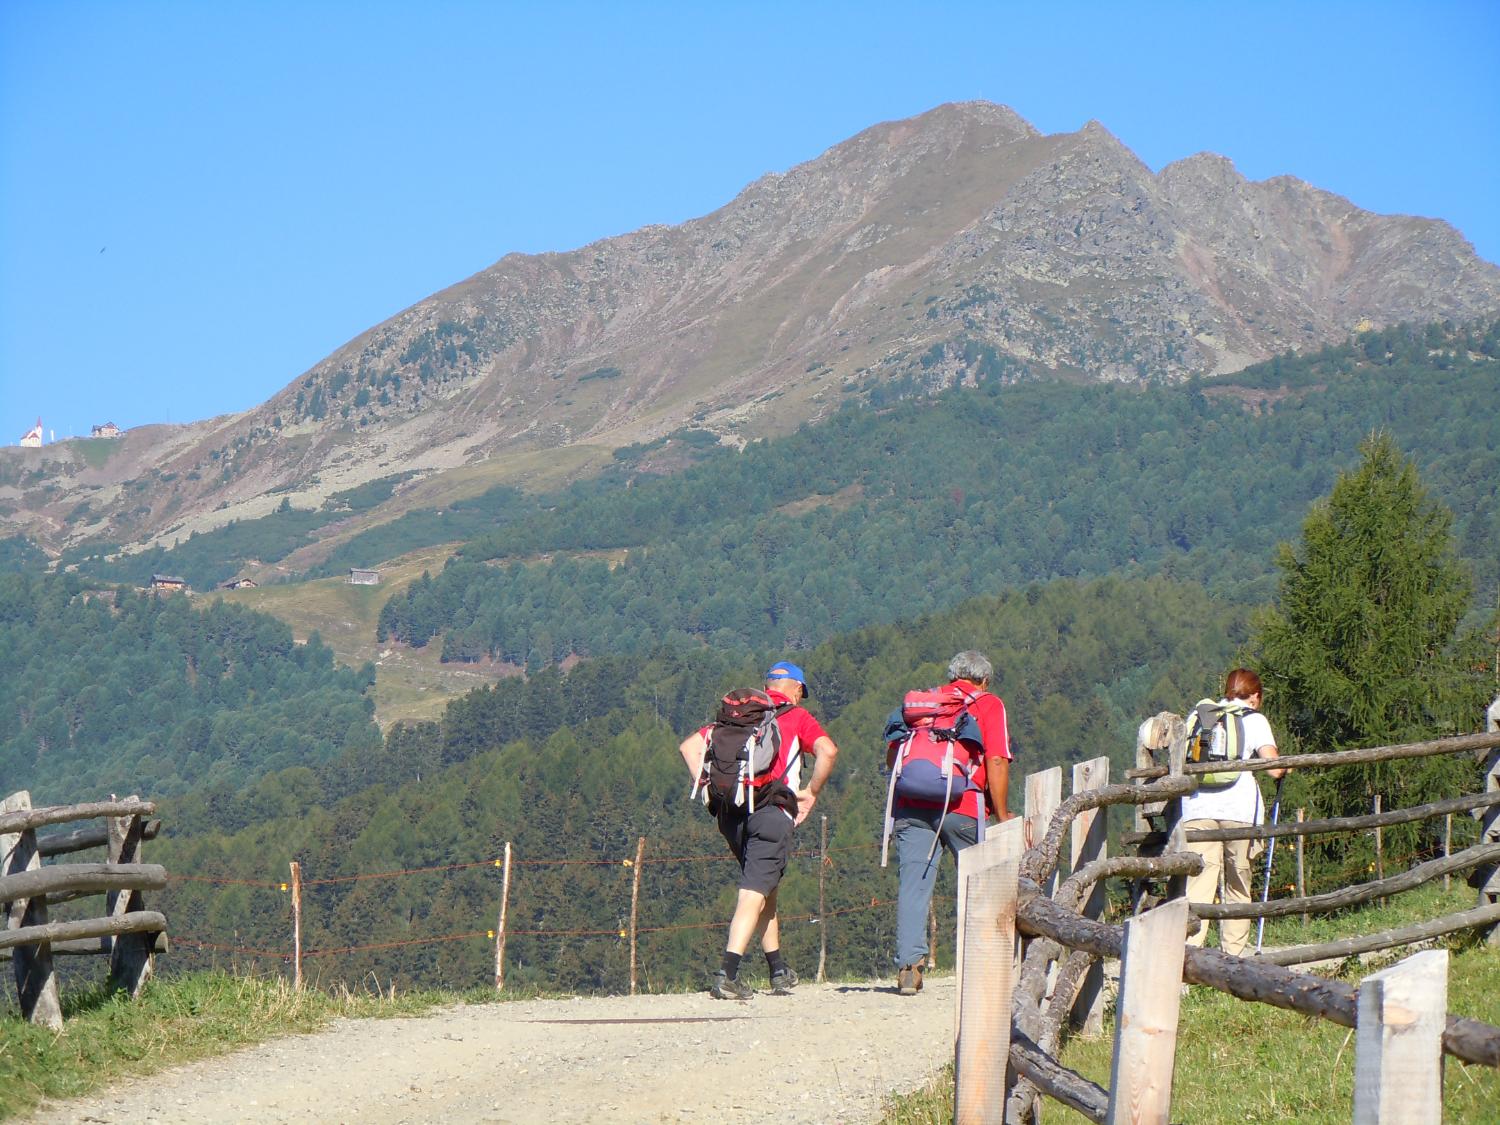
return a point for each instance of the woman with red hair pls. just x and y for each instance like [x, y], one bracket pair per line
[1235, 803]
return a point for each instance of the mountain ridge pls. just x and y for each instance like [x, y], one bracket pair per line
[907, 250]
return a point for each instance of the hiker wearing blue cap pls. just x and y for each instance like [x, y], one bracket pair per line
[747, 767]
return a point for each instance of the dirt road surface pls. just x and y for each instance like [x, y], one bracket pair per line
[829, 1053]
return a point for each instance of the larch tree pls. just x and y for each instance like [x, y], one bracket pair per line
[1363, 646]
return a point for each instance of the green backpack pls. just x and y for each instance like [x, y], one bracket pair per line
[1216, 733]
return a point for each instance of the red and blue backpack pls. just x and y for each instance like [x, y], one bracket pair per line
[935, 749]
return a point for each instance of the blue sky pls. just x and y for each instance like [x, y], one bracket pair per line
[200, 201]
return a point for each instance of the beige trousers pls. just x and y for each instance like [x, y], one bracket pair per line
[1232, 858]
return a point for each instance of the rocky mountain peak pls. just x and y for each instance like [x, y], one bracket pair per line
[960, 244]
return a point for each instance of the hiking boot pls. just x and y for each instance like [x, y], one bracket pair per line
[783, 981]
[721, 986]
[909, 980]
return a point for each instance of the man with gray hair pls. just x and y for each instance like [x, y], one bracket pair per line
[974, 737]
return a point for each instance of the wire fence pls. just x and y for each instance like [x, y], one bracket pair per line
[508, 866]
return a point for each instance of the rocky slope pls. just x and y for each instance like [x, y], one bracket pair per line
[955, 245]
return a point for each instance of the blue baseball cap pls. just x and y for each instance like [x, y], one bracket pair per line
[786, 670]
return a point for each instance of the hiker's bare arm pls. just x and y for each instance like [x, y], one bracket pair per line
[825, 752]
[692, 752]
[1271, 752]
[997, 778]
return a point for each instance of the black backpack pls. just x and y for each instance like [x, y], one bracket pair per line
[743, 747]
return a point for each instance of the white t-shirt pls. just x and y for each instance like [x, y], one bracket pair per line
[1240, 802]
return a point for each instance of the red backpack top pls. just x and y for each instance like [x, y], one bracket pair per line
[935, 751]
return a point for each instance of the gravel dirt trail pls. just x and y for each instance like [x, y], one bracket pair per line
[829, 1053]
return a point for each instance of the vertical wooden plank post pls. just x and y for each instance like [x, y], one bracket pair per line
[1172, 820]
[1000, 843]
[635, 905]
[1043, 795]
[1140, 1078]
[1398, 1061]
[296, 869]
[987, 945]
[822, 902]
[1090, 842]
[1489, 824]
[130, 954]
[500, 922]
[36, 986]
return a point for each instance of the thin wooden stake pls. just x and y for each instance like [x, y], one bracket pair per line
[1447, 849]
[296, 924]
[1379, 848]
[1140, 1080]
[822, 902]
[1301, 869]
[931, 937]
[635, 902]
[1398, 1062]
[500, 924]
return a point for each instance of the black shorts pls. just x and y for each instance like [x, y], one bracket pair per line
[762, 843]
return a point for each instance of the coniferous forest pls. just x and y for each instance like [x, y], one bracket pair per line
[1108, 547]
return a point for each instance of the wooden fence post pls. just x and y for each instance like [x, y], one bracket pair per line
[36, 986]
[1301, 869]
[635, 901]
[822, 901]
[1176, 835]
[296, 869]
[1140, 1077]
[1043, 795]
[988, 942]
[1488, 879]
[1157, 740]
[1004, 842]
[1090, 842]
[130, 954]
[1398, 1061]
[500, 923]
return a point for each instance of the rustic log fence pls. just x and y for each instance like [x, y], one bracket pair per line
[127, 933]
[1402, 1028]
[1011, 894]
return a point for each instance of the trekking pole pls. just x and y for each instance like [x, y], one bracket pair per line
[1265, 891]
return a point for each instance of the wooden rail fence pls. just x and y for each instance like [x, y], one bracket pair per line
[1399, 1014]
[127, 933]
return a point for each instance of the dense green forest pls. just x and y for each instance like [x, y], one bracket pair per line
[877, 515]
[141, 693]
[875, 544]
[576, 765]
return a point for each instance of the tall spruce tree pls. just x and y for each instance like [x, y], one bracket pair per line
[1363, 648]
